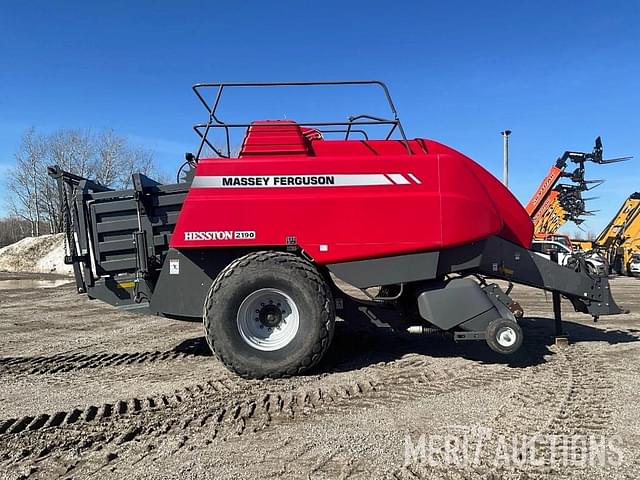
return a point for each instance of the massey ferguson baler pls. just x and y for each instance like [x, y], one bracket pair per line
[252, 244]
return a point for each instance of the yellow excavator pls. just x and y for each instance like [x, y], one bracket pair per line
[621, 237]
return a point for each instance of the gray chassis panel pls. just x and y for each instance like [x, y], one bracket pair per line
[451, 316]
[447, 305]
[494, 257]
[179, 294]
[183, 294]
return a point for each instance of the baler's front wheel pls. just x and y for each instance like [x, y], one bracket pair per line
[269, 314]
[504, 336]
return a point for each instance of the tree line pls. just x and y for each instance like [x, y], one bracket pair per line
[13, 229]
[32, 196]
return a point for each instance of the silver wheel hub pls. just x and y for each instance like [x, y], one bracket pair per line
[268, 319]
[506, 336]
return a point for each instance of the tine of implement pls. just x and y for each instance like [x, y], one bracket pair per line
[614, 160]
[596, 184]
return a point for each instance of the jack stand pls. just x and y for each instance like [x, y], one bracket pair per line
[561, 340]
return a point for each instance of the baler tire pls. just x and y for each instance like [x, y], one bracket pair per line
[295, 279]
[388, 291]
[494, 330]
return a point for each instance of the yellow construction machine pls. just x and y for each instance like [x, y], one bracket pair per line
[621, 237]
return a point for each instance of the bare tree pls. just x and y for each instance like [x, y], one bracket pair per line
[73, 150]
[109, 152]
[136, 160]
[25, 196]
[116, 160]
[106, 157]
[13, 229]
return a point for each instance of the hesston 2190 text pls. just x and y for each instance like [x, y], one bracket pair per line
[220, 235]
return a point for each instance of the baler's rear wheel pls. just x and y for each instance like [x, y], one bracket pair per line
[269, 314]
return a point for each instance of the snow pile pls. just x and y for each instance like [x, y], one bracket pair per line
[44, 254]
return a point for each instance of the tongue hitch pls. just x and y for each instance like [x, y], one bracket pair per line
[589, 293]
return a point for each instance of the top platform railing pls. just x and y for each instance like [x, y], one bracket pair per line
[354, 124]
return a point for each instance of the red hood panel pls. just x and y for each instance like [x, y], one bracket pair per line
[517, 225]
[376, 200]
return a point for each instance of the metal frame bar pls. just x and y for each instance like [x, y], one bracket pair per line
[346, 131]
[493, 257]
[71, 190]
[216, 122]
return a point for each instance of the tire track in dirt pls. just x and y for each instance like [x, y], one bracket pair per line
[225, 384]
[119, 408]
[571, 394]
[565, 397]
[233, 409]
[63, 363]
[341, 463]
[415, 380]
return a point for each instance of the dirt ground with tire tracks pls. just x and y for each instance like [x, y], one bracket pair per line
[88, 391]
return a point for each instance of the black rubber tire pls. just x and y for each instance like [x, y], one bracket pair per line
[491, 336]
[388, 291]
[269, 269]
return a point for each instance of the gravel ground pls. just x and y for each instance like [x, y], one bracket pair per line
[90, 391]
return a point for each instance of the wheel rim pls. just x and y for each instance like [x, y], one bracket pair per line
[268, 319]
[506, 337]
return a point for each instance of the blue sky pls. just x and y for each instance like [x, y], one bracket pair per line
[556, 73]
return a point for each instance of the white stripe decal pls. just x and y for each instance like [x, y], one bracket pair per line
[414, 178]
[279, 181]
[398, 178]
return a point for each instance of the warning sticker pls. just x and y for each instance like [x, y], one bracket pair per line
[174, 267]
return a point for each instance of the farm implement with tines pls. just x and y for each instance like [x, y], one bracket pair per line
[553, 203]
[253, 243]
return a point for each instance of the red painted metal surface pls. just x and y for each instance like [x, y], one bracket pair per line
[345, 200]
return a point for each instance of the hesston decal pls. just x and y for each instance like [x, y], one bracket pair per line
[220, 235]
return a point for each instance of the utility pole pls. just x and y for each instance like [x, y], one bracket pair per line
[505, 157]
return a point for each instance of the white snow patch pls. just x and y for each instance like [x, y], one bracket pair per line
[44, 254]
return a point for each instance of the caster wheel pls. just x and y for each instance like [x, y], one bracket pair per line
[504, 336]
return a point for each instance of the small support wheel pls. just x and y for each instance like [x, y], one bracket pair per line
[504, 336]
